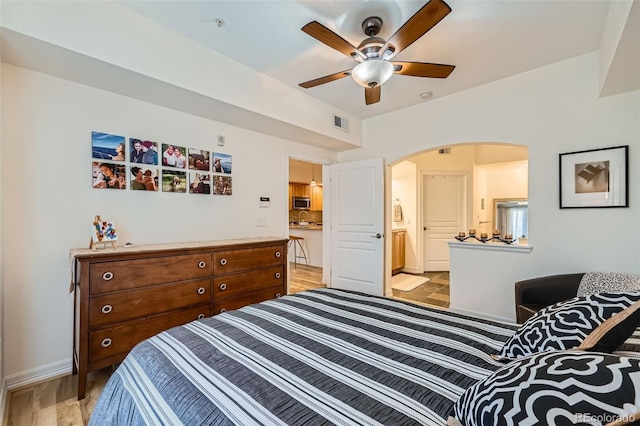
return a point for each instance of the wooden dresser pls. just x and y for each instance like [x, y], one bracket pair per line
[125, 295]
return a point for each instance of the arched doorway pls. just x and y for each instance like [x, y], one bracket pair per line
[490, 171]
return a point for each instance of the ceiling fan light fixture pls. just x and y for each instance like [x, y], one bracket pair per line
[372, 73]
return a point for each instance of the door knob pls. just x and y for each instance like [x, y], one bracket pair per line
[378, 235]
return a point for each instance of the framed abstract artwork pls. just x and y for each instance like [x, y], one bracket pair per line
[595, 178]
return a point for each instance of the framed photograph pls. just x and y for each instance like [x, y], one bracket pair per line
[199, 159]
[595, 178]
[143, 178]
[174, 181]
[108, 175]
[222, 185]
[174, 156]
[221, 163]
[199, 183]
[143, 152]
[105, 146]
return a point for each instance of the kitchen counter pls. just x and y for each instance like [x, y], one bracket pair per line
[311, 242]
[310, 227]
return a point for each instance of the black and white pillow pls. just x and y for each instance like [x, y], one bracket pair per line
[565, 325]
[555, 388]
[607, 282]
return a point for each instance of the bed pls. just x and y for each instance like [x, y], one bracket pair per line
[318, 357]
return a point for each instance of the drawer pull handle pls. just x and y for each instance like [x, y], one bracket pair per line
[106, 309]
[277, 274]
[278, 295]
[223, 310]
[278, 254]
[107, 276]
[105, 342]
[201, 290]
[200, 316]
[223, 286]
[202, 264]
[223, 261]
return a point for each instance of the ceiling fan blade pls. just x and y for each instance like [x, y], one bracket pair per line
[423, 69]
[331, 39]
[325, 79]
[372, 95]
[421, 22]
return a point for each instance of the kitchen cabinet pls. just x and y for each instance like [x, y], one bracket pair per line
[397, 250]
[316, 197]
[303, 190]
[298, 190]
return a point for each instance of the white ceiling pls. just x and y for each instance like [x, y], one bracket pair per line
[486, 40]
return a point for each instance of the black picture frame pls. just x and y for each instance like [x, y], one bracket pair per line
[594, 178]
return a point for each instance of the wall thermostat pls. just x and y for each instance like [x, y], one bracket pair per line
[264, 202]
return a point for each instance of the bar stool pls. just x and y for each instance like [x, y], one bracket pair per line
[297, 242]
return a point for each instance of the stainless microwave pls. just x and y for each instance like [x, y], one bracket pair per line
[301, 203]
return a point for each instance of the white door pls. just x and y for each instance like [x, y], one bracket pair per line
[443, 208]
[357, 226]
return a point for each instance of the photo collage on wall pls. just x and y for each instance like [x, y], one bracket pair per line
[152, 166]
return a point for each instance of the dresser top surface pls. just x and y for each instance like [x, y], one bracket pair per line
[80, 253]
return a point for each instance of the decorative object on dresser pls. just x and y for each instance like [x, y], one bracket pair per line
[102, 232]
[129, 294]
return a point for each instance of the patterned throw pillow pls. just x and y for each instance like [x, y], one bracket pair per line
[607, 282]
[566, 324]
[614, 331]
[555, 388]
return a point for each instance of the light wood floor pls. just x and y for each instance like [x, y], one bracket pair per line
[54, 403]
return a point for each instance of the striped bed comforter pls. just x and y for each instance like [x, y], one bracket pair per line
[319, 357]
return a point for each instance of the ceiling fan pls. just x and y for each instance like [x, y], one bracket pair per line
[373, 55]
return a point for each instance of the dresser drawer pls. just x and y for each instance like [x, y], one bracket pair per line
[238, 284]
[239, 302]
[123, 306]
[127, 274]
[120, 338]
[238, 260]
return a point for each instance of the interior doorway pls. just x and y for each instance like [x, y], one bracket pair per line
[443, 215]
[305, 221]
[492, 171]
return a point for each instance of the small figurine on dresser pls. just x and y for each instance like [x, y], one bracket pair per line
[102, 231]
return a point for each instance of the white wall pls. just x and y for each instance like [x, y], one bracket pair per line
[550, 110]
[48, 202]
